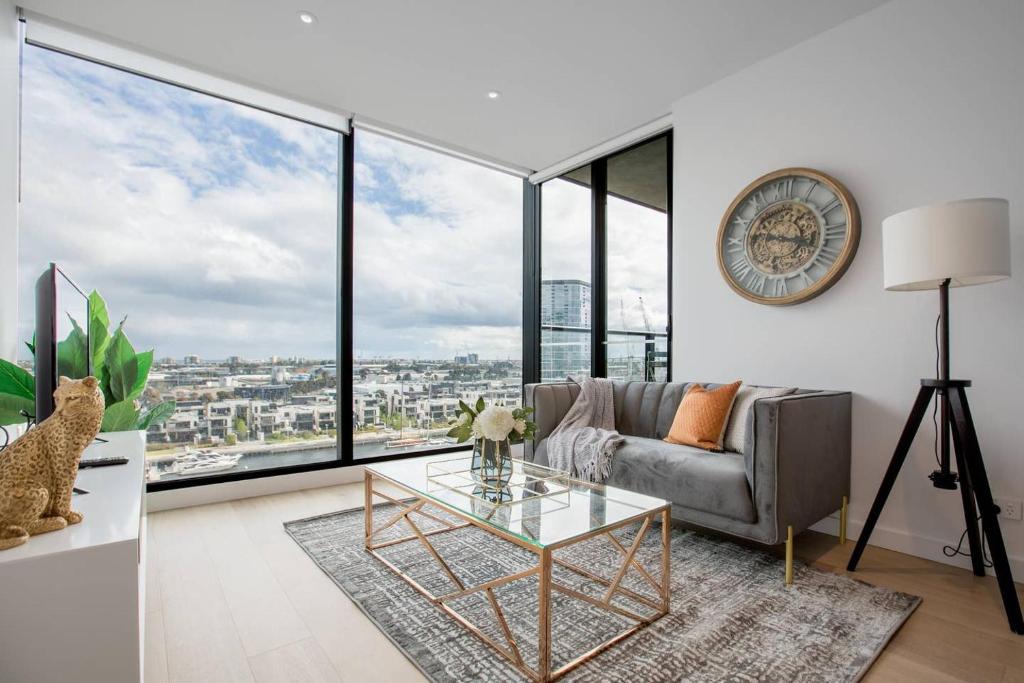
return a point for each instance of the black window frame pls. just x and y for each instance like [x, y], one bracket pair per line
[532, 243]
[532, 274]
[345, 362]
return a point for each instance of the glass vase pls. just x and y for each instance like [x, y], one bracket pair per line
[492, 463]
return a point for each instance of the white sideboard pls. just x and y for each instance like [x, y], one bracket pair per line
[72, 602]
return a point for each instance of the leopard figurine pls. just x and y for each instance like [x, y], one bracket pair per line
[38, 470]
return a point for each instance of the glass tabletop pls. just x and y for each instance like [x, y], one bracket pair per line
[539, 505]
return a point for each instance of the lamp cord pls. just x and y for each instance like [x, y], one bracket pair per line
[948, 550]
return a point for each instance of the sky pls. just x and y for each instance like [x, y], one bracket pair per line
[213, 226]
[637, 252]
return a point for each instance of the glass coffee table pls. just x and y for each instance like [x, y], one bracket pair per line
[538, 509]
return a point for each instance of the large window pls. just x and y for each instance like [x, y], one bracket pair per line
[606, 312]
[437, 310]
[637, 263]
[565, 293]
[213, 227]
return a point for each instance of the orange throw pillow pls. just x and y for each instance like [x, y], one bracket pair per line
[703, 416]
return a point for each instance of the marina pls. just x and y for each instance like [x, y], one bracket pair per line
[255, 456]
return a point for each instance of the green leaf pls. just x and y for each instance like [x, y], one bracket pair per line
[120, 417]
[16, 381]
[121, 366]
[11, 407]
[158, 414]
[466, 409]
[480, 404]
[143, 362]
[72, 354]
[32, 345]
[99, 321]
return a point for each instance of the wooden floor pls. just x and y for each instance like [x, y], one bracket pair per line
[230, 597]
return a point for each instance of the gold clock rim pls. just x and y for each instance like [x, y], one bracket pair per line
[838, 268]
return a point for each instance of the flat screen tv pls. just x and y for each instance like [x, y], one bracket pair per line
[62, 335]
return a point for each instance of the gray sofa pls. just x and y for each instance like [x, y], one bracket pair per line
[794, 471]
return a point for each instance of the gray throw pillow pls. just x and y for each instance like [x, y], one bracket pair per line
[736, 430]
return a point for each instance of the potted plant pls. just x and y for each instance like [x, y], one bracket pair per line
[494, 429]
[122, 374]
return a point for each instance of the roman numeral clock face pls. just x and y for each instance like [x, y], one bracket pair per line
[788, 236]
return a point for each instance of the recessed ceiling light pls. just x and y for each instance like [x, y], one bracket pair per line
[493, 94]
[307, 17]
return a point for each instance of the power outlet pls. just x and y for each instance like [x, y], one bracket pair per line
[1009, 509]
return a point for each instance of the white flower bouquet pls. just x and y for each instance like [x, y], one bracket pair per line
[493, 422]
[492, 429]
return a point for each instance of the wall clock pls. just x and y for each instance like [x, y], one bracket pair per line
[788, 236]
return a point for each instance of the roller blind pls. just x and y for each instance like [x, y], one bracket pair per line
[44, 32]
[639, 134]
[361, 122]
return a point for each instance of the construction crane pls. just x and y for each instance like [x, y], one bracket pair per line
[643, 311]
[648, 352]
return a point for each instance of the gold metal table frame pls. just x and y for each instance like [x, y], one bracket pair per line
[545, 560]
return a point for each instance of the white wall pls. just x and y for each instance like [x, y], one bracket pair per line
[9, 67]
[915, 102]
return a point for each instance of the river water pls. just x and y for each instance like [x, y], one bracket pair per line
[264, 460]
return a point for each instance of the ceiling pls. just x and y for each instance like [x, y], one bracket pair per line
[638, 175]
[572, 73]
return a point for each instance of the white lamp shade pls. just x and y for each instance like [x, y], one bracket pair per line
[967, 242]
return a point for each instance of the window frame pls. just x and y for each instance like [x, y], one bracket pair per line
[531, 329]
[345, 281]
[532, 274]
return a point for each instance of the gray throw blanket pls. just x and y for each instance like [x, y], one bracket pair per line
[583, 442]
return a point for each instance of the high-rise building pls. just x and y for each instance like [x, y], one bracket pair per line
[565, 303]
[565, 329]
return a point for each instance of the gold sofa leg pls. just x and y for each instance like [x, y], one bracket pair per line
[842, 521]
[789, 556]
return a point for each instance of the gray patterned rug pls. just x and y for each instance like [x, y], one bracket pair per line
[732, 618]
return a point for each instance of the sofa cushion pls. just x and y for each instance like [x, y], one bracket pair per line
[691, 477]
[637, 406]
[736, 430]
[702, 417]
[647, 408]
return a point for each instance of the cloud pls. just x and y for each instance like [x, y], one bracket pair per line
[637, 252]
[213, 225]
[438, 251]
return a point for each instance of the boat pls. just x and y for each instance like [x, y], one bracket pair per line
[405, 443]
[204, 461]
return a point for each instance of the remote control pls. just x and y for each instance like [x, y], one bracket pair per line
[102, 462]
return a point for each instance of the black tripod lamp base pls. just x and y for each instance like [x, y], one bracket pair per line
[974, 489]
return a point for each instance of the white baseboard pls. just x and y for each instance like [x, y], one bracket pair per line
[250, 488]
[919, 546]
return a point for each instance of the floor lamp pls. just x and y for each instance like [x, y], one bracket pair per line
[955, 244]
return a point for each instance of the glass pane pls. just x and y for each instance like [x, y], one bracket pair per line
[565, 277]
[540, 505]
[213, 227]
[437, 296]
[637, 234]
